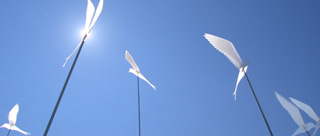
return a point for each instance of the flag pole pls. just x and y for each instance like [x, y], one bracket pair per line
[306, 131]
[257, 101]
[139, 106]
[9, 131]
[64, 87]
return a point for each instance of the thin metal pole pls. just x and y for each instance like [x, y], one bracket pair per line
[306, 131]
[139, 107]
[64, 87]
[255, 97]
[9, 132]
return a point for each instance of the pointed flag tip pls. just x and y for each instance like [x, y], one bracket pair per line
[206, 35]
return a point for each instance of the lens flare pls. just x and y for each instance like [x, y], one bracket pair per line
[83, 33]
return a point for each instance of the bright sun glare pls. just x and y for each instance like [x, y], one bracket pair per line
[82, 33]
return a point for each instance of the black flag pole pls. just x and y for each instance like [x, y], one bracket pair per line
[257, 101]
[139, 106]
[9, 132]
[64, 87]
[306, 131]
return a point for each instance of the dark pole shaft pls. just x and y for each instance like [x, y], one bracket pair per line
[255, 97]
[63, 89]
[139, 106]
[307, 131]
[9, 132]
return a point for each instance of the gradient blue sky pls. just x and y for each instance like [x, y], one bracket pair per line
[194, 81]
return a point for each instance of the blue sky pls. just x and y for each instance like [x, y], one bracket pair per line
[194, 81]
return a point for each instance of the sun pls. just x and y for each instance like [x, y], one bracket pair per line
[83, 32]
